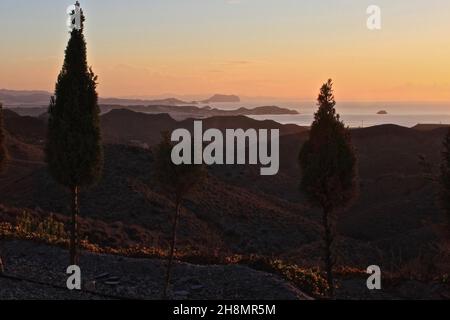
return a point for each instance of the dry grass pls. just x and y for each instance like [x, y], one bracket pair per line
[53, 232]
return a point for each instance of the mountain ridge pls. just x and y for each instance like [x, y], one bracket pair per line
[42, 97]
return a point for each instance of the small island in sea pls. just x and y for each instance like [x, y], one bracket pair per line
[382, 112]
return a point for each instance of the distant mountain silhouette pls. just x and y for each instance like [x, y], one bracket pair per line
[183, 112]
[41, 98]
[219, 98]
[17, 97]
[136, 102]
[177, 112]
[264, 110]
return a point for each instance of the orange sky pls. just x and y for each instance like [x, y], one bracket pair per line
[268, 48]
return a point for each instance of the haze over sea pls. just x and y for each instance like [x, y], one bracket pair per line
[356, 114]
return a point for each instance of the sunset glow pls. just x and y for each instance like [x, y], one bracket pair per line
[249, 47]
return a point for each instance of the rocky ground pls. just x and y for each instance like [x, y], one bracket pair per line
[109, 277]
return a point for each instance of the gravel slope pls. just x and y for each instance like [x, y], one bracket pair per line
[130, 278]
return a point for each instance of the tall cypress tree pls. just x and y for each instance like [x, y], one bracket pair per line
[74, 149]
[329, 170]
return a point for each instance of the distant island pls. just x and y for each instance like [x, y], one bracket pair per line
[221, 98]
[184, 112]
[217, 98]
[35, 103]
[177, 112]
[382, 112]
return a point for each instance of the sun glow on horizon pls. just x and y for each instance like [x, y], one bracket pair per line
[282, 49]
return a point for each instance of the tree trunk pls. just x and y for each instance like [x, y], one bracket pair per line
[2, 268]
[172, 247]
[328, 253]
[74, 259]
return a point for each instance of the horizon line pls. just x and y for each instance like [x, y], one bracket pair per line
[292, 99]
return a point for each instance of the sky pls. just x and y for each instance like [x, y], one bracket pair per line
[253, 48]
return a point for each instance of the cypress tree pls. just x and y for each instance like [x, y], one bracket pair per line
[177, 181]
[74, 149]
[329, 170]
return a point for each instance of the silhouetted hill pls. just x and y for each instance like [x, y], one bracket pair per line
[24, 98]
[126, 126]
[29, 111]
[394, 149]
[140, 102]
[428, 127]
[185, 112]
[220, 98]
[28, 129]
[42, 98]
[242, 122]
[264, 110]
[20, 150]
[177, 112]
[129, 127]
[239, 211]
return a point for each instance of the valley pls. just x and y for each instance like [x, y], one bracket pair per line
[395, 221]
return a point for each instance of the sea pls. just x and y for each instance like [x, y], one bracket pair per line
[355, 114]
[363, 120]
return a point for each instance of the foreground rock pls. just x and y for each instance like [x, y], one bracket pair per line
[107, 277]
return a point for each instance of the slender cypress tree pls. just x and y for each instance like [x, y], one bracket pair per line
[177, 181]
[3, 157]
[74, 149]
[329, 170]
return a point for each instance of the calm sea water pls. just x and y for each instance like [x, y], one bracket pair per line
[363, 120]
[359, 114]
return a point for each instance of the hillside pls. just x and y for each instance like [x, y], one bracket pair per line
[394, 221]
[428, 127]
[27, 129]
[129, 127]
[394, 193]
